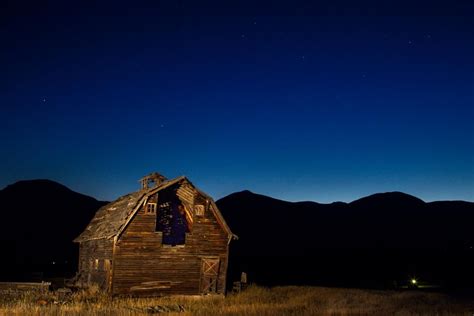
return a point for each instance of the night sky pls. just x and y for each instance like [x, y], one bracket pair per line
[322, 102]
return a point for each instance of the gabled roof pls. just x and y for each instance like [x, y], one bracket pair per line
[111, 219]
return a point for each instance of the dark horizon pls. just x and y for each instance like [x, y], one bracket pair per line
[30, 181]
[386, 237]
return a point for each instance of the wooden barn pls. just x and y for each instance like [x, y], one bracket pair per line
[167, 238]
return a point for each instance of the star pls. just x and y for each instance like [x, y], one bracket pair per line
[44, 99]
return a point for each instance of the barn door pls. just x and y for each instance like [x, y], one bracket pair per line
[209, 275]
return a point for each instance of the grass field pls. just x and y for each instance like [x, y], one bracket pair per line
[288, 300]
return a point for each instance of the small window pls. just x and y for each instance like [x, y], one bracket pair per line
[150, 208]
[96, 264]
[199, 210]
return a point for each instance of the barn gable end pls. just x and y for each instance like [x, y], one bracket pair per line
[166, 239]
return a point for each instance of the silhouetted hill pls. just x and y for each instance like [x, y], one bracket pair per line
[385, 236]
[382, 236]
[393, 219]
[40, 218]
[391, 200]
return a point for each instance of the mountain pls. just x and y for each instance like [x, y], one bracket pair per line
[388, 220]
[40, 218]
[385, 236]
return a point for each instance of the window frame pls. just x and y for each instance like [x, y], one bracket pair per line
[199, 210]
[153, 209]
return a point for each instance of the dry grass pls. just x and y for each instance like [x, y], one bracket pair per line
[288, 300]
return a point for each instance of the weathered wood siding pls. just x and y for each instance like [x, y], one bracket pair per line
[93, 255]
[143, 266]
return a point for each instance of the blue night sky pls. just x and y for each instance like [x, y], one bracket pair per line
[300, 102]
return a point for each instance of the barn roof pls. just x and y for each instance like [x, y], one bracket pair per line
[111, 219]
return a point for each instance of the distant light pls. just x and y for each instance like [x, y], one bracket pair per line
[413, 281]
[54, 262]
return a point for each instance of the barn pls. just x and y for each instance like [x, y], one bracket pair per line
[166, 238]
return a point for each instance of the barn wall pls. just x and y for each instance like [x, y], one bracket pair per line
[93, 265]
[143, 266]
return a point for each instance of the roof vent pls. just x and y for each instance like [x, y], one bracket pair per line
[151, 181]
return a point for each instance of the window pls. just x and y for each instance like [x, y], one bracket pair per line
[150, 208]
[96, 264]
[171, 221]
[199, 210]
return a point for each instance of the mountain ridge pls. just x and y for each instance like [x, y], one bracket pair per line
[369, 220]
[387, 229]
[40, 218]
[378, 241]
[387, 193]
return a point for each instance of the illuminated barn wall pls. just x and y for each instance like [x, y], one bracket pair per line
[169, 238]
